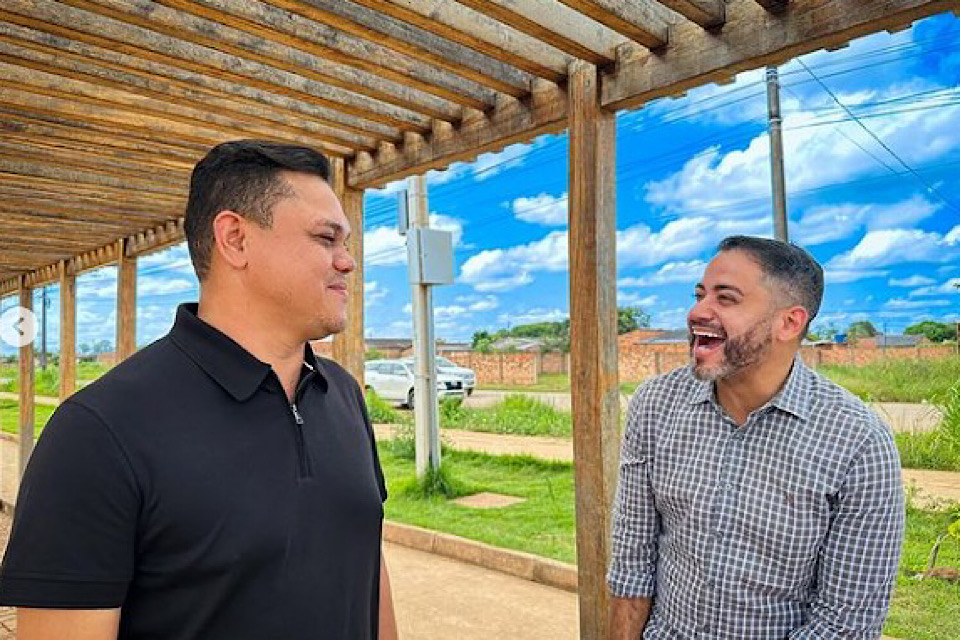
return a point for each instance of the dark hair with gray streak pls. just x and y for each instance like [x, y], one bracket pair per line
[242, 176]
[799, 276]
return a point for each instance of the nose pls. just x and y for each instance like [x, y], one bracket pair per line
[344, 262]
[701, 313]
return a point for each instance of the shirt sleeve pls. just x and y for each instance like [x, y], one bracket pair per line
[73, 537]
[860, 556]
[635, 525]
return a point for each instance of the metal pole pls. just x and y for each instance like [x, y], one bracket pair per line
[776, 156]
[426, 410]
[43, 328]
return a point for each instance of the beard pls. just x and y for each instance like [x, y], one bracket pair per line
[739, 352]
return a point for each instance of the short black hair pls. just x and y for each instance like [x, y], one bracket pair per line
[242, 176]
[799, 276]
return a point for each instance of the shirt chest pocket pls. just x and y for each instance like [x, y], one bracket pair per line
[785, 518]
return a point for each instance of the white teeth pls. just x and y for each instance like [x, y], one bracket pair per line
[706, 334]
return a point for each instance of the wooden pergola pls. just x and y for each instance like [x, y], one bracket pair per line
[105, 105]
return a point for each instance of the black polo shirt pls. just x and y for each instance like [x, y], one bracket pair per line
[184, 487]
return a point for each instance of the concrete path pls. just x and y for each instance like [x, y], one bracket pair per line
[936, 485]
[901, 416]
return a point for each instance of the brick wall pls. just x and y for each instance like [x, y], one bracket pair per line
[639, 362]
[499, 368]
[850, 355]
[554, 362]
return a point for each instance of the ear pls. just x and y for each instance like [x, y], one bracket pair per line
[793, 321]
[230, 239]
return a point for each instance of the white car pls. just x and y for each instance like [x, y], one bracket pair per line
[393, 380]
[468, 376]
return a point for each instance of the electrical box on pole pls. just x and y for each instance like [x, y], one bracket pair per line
[430, 262]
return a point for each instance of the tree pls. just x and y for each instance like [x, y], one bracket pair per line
[479, 336]
[630, 319]
[933, 331]
[862, 329]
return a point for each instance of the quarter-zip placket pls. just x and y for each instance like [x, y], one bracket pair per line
[302, 455]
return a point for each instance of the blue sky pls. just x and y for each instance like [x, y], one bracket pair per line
[690, 172]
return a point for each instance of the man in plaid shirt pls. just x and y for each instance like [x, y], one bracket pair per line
[756, 499]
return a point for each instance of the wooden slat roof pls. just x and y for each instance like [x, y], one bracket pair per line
[105, 105]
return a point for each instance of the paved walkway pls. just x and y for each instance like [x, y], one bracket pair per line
[936, 485]
[901, 416]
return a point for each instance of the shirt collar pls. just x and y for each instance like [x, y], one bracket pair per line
[234, 368]
[793, 397]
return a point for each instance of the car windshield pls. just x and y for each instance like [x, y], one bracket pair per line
[445, 363]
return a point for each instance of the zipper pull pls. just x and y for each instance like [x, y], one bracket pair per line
[296, 414]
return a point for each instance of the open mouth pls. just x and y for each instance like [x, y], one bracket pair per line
[706, 342]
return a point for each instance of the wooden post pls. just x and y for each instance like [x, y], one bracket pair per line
[349, 346]
[126, 303]
[593, 337]
[68, 332]
[27, 414]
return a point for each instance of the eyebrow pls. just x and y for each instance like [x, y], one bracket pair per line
[336, 227]
[720, 287]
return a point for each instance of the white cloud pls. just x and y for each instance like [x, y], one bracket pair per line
[836, 276]
[815, 156]
[163, 286]
[505, 269]
[384, 246]
[670, 273]
[542, 209]
[887, 247]
[627, 299]
[912, 281]
[903, 303]
[490, 164]
[823, 224]
[532, 315]
[373, 293]
[950, 286]
[675, 318]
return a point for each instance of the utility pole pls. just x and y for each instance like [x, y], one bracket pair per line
[426, 407]
[776, 156]
[43, 328]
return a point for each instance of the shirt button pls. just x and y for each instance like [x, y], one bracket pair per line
[704, 628]
[711, 584]
[718, 535]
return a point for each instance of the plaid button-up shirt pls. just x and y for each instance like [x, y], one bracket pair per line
[789, 526]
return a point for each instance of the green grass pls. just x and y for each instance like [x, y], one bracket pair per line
[938, 449]
[543, 525]
[47, 380]
[898, 380]
[926, 609]
[10, 416]
[517, 414]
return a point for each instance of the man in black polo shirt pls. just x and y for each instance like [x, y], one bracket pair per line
[222, 483]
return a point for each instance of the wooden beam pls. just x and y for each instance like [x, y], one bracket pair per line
[555, 24]
[643, 21]
[89, 176]
[68, 332]
[169, 98]
[83, 26]
[514, 121]
[233, 96]
[27, 417]
[482, 33]
[126, 303]
[320, 37]
[752, 37]
[137, 108]
[709, 14]
[361, 20]
[218, 37]
[349, 346]
[593, 338]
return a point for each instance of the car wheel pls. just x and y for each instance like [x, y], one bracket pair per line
[410, 399]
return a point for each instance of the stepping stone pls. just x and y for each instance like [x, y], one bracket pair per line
[487, 500]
